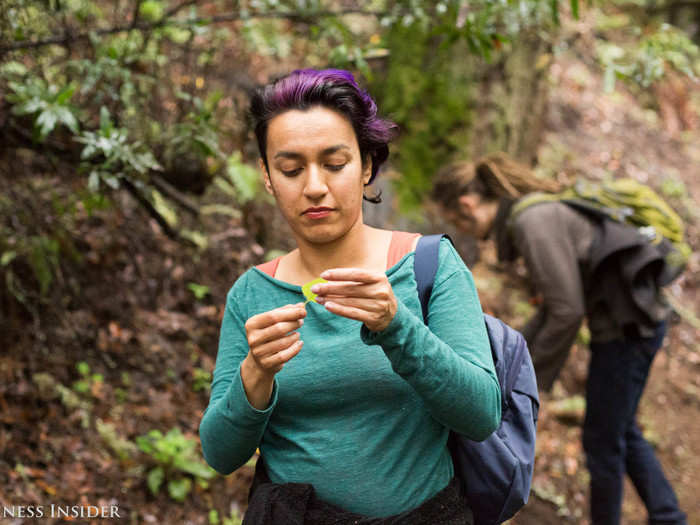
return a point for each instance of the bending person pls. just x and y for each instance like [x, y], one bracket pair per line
[555, 241]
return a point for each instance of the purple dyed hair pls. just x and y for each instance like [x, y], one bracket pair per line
[335, 89]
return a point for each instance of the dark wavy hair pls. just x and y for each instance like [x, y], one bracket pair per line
[335, 89]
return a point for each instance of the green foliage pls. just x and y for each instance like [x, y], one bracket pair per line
[233, 519]
[267, 37]
[163, 207]
[122, 447]
[50, 389]
[437, 52]
[48, 104]
[198, 239]
[198, 132]
[647, 60]
[428, 100]
[85, 384]
[674, 188]
[83, 368]
[176, 460]
[151, 10]
[201, 380]
[159, 96]
[240, 180]
[36, 246]
[108, 79]
[43, 258]
[109, 155]
[200, 291]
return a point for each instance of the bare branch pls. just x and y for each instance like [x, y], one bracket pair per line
[173, 194]
[135, 13]
[146, 204]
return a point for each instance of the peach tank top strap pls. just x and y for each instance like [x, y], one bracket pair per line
[401, 244]
[270, 267]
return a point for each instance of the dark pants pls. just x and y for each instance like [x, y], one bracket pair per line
[611, 438]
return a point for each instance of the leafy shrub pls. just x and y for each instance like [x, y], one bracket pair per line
[176, 460]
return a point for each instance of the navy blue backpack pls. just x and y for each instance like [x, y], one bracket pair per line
[495, 473]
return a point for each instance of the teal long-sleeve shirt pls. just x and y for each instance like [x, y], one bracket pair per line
[363, 416]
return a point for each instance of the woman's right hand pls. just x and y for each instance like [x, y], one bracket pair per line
[272, 341]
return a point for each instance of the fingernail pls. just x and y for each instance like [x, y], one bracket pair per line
[320, 300]
[301, 322]
[326, 274]
[315, 288]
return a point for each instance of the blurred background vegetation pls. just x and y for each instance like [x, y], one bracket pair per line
[130, 199]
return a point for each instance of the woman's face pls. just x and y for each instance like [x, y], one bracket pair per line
[316, 172]
[472, 215]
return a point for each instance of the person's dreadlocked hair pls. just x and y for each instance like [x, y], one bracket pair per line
[493, 176]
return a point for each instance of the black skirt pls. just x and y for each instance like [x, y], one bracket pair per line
[297, 504]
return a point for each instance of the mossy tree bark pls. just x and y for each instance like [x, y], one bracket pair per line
[512, 100]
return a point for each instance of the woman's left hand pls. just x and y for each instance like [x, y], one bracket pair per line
[356, 293]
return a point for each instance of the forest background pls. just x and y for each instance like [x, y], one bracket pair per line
[129, 204]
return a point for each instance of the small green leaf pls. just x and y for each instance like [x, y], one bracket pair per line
[152, 10]
[200, 291]
[176, 34]
[155, 479]
[609, 79]
[574, 8]
[7, 257]
[64, 115]
[65, 94]
[81, 386]
[46, 122]
[106, 124]
[13, 68]
[306, 289]
[144, 444]
[198, 238]
[83, 368]
[196, 468]
[221, 209]
[112, 182]
[163, 207]
[94, 181]
[179, 488]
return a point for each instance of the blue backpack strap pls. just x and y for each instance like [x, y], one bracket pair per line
[425, 265]
[496, 474]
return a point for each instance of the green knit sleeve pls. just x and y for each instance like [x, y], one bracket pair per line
[231, 428]
[449, 361]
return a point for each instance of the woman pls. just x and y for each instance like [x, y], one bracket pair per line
[555, 240]
[352, 395]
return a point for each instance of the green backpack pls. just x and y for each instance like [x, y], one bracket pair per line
[626, 201]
